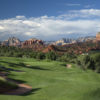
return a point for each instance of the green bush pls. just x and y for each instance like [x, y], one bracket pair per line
[89, 62]
[40, 55]
[51, 56]
[96, 59]
[68, 58]
[85, 62]
[33, 55]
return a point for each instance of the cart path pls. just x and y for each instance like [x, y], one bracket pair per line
[22, 88]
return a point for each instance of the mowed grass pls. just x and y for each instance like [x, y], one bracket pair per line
[51, 80]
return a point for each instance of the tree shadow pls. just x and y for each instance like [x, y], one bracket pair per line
[15, 80]
[37, 68]
[32, 67]
[19, 65]
[64, 65]
[12, 64]
[9, 69]
[33, 91]
[26, 92]
[92, 95]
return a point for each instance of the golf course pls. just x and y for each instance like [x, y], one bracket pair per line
[50, 80]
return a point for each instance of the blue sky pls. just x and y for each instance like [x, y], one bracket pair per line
[49, 19]
[36, 8]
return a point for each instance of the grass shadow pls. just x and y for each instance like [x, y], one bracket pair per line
[32, 67]
[64, 65]
[93, 95]
[9, 69]
[16, 80]
[20, 65]
[33, 91]
[37, 68]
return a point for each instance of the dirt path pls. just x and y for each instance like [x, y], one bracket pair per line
[22, 88]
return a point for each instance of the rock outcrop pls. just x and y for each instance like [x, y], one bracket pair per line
[50, 48]
[98, 36]
[34, 44]
[12, 41]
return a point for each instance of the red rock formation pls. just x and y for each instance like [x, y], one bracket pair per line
[34, 44]
[50, 48]
[98, 36]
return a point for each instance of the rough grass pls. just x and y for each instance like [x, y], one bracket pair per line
[51, 80]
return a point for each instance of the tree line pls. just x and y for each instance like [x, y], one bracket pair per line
[85, 61]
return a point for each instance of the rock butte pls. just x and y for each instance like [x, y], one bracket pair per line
[98, 36]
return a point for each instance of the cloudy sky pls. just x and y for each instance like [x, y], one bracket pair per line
[49, 19]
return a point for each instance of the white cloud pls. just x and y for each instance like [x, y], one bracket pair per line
[83, 13]
[95, 12]
[2, 28]
[45, 27]
[20, 17]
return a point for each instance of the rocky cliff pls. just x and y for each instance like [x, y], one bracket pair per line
[50, 48]
[12, 41]
[34, 44]
[98, 36]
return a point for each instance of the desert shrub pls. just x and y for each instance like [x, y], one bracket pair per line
[96, 58]
[33, 54]
[51, 56]
[9, 54]
[68, 58]
[19, 54]
[89, 62]
[40, 55]
[85, 62]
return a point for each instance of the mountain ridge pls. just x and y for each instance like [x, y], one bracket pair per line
[13, 41]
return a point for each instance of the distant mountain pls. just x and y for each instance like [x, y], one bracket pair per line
[39, 44]
[65, 41]
[86, 39]
[12, 41]
[48, 42]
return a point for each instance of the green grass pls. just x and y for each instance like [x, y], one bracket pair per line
[51, 80]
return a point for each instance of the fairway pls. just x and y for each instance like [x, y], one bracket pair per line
[51, 80]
